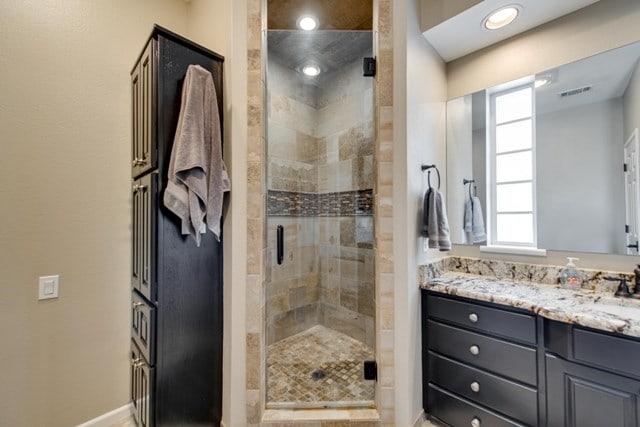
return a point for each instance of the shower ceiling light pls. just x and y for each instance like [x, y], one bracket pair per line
[501, 17]
[311, 70]
[307, 23]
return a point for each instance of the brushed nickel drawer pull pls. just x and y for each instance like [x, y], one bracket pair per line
[473, 318]
[475, 422]
[475, 387]
[474, 349]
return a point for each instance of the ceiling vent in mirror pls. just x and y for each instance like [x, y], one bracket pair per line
[576, 91]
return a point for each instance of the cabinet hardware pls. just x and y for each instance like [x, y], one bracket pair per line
[475, 422]
[473, 317]
[137, 304]
[475, 387]
[474, 349]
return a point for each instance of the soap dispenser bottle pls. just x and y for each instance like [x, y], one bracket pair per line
[570, 277]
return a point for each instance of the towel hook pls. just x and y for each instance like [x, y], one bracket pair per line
[475, 189]
[427, 167]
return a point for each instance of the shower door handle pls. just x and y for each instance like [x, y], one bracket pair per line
[280, 243]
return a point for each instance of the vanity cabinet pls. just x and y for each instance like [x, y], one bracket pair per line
[592, 378]
[492, 365]
[481, 363]
[176, 286]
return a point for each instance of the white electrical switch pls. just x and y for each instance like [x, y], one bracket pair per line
[48, 287]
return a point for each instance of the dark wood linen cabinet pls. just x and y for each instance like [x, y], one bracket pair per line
[176, 304]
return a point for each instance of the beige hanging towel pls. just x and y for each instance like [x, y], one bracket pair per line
[197, 174]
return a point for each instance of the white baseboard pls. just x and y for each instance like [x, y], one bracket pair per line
[420, 420]
[110, 418]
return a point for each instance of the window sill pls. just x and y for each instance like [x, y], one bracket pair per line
[514, 250]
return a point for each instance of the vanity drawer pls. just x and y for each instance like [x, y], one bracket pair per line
[514, 400]
[516, 326]
[602, 350]
[605, 351]
[460, 412]
[143, 328]
[498, 356]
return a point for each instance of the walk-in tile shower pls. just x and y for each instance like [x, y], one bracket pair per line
[320, 140]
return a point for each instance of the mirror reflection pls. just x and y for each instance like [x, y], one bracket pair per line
[583, 157]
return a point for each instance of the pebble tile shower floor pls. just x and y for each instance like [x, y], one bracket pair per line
[318, 367]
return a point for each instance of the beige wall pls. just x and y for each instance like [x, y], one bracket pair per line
[65, 174]
[602, 26]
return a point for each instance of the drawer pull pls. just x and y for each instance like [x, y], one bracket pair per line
[473, 318]
[474, 349]
[475, 387]
[137, 304]
[475, 422]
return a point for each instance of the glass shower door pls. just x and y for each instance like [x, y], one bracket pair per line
[320, 286]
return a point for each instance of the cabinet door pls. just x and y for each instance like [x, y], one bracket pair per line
[143, 81]
[143, 235]
[579, 396]
[143, 326]
[142, 388]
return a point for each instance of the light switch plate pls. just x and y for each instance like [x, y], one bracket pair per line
[48, 287]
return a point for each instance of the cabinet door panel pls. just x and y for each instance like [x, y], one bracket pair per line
[144, 224]
[579, 396]
[143, 328]
[143, 81]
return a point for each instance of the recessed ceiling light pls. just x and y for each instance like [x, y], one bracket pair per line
[501, 17]
[541, 81]
[307, 23]
[311, 70]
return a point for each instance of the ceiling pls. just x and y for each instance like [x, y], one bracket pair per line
[463, 33]
[607, 74]
[330, 50]
[331, 14]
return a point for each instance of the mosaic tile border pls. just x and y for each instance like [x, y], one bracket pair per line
[345, 203]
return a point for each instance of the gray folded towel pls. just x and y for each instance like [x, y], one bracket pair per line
[197, 175]
[473, 220]
[436, 224]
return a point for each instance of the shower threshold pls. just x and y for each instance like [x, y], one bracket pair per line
[318, 368]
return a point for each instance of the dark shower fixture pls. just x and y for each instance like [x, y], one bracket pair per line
[369, 67]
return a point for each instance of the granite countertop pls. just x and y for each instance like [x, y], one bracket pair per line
[588, 308]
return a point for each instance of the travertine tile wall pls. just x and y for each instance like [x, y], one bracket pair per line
[347, 140]
[320, 141]
[292, 152]
[383, 218]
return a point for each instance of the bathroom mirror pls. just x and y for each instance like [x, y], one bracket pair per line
[586, 120]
